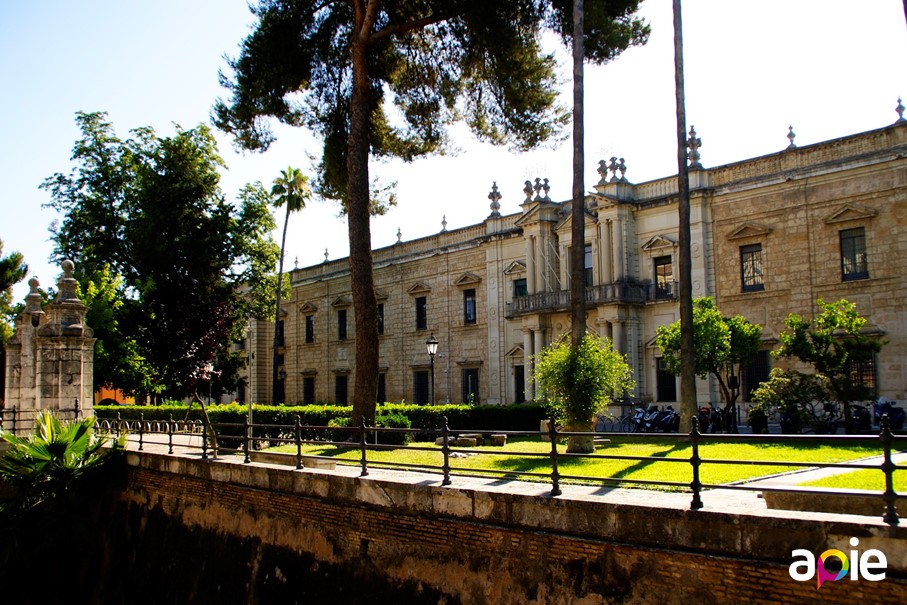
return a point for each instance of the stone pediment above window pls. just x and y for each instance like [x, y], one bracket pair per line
[749, 230]
[341, 301]
[308, 307]
[419, 288]
[467, 279]
[515, 268]
[849, 212]
[515, 351]
[380, 295]
[659, 243]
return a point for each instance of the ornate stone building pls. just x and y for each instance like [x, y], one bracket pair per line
[770, 235]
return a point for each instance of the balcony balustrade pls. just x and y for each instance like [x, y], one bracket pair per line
[617, 293]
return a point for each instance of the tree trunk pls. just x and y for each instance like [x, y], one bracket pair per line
[687, 351]
[283, 243]
[365, 303]
[578, 219]
[580, 444]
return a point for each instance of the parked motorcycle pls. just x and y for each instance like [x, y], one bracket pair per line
[663, 421]
[895, 414]
[861, 418]
[710, 419]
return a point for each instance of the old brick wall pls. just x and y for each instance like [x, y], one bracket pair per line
[292, 535]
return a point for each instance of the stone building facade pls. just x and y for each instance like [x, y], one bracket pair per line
[770, 235]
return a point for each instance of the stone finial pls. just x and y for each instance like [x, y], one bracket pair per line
[612, 166]
[546, 188]
[900, 110]
[527, 189]
[33, 302]
[622, 167]
[67, 283]
[602, 172]
[538, 189]
[296, 263]
[399, 236]
[495, 197]
[694, 143]
[444, 223]
[790, 137]
[325, 255]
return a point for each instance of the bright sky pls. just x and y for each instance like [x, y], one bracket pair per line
[829, 68]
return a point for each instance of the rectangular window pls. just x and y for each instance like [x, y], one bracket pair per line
[751, 268]
[310, 328]
[382, 388]
[853, 254]
[665, 382]
[520, 288]
[587, 266]
[279, 328]
[340, 389]
[664, 278]
[421, 313]
[308, 390]
[420, 387]
[341, 324]
[753, 375]
[380, 318]
[470, 385]
[863, 374]
[519, 384]
[469, 306]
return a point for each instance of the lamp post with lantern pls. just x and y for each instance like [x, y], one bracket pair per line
[432, 346]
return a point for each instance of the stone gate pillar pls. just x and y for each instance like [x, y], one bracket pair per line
[50, 358]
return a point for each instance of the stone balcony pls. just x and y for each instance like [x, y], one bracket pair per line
[625, 293]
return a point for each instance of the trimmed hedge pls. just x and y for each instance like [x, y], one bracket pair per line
[279, 420]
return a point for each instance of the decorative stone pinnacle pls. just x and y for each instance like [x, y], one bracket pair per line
[790, 137]
[296, 263]
[538, 189]
[602, 172]
[495, 197]
[546, 188]
[900, 110]
[325, 255]
[67, 283]
[443, 223]
[527, 189]
[612, 166]
[622, 167]
[33, 301]
[399, 236]
[694, 144]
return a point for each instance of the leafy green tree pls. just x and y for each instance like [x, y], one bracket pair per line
[290, 189]
[171, 270]
[723, 346]
[833, 344]
[800, 398]
[12, 270]
[580, 381]
[329, 66]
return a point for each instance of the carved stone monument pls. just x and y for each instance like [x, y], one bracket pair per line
[49, 359]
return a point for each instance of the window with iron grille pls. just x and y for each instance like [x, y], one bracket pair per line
[310, 328]
[469, 306]
[341, 382]
[420, 387]
[863, 374]
[470, 385]
[587, 266]
[341, 324]
[308, 390]
[751, 276]
[754, 374]
[664, 278]
[421, 313]
[853, 254]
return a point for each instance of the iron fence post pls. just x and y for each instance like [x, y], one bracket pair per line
[555, 475]
[248, 434]
[364, 462]
[891, 516]
[298, 442]
[170, 434]
[119, 425]
[204, 440]
[445, 450]
[695, 462]
[141, 431]
[15, 412]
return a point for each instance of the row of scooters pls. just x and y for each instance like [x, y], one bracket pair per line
[654, 420]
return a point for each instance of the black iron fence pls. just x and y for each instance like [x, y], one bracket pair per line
[21, 421]
[246, 438]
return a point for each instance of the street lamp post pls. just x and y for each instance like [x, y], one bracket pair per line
[432, 346]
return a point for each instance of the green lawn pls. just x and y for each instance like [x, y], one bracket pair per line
[517, 456]
[862, 479]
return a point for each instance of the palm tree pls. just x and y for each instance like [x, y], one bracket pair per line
[687, 351]
[291, 189]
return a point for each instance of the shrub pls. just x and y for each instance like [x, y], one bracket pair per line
[393, 421]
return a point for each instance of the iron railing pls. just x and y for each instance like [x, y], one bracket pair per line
[242, 438]
[18, 421]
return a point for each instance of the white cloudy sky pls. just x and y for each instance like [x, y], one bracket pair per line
[828, 67]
